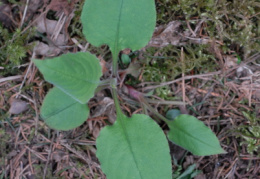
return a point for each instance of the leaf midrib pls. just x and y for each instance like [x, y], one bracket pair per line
[116, 50]
[121, 116]
[121, 121]
[59, 111]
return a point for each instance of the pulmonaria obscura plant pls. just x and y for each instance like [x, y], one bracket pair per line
[133, 147]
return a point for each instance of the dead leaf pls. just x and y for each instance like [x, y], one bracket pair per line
[18, 106]
[61, 40]
[102, 108]
[106, 106]
[103, 64]
[96, 131]
[62, 6]
[134, 69]
[189, 160]
[46, 26]
[169, 35]
[126, 51]
[243, 71]
[230, 61]
[46, 50]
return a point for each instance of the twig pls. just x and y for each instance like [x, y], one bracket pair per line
[48, 158]
[180, 79]
[183, 75]
[10, 78]
[30, 162]
[249, 60]
[36, 115]
[24, 13]
[59, 26]
[165, 102]
[188, 25]
[82, 156]
[40, 156]
[27, 72]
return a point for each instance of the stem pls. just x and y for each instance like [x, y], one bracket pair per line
[105, 82]
[113, 84]
[144, 109]
[154, 111]
[165, 102]
[114, 95]
[114, 63]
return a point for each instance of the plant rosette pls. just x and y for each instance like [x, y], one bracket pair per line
[136, 144]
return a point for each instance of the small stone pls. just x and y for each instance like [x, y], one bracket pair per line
[18, 106]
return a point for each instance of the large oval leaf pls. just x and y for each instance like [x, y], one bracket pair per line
[119, 23]
[192, 134]
[77, 74]
[134, 147]
[62, 112]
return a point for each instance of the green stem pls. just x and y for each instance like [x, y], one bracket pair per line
[114, 95]
[114, 63]
[105, 82]
[154, 111]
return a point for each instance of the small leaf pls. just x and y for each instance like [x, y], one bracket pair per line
[119, 23]
[172, 114]
[134, 147]
[77, 74]
[61, 112]
[125, 59]
[190, 171]
[192, 134]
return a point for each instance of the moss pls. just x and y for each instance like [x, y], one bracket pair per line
[5, 137]
[168, 65]
[236, 23]
[75, 28]
[14, 47]
[250, 133]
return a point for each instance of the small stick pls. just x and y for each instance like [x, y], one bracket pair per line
[10, 78]
[188, 25]
[30, 161]
[183, 82]
[57, 28]
[27, 72]
[48, 158]
[24, 13]
[180, 79]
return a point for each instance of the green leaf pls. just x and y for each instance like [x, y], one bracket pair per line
[125, 59]
[119, 23]
[77, 74]
[134, 147]
[172, 114]
[190, 171]
[192, 134]
[61, 112]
